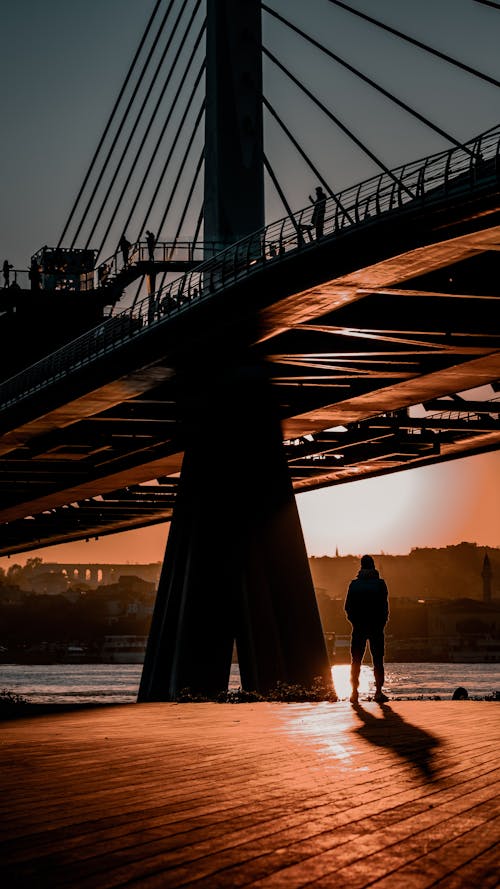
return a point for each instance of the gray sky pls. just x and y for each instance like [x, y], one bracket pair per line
[62, 65]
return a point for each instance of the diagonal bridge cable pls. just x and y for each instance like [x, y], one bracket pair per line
[180, 172]
[122, 123]
[184, 211]
[110, 120]
[337, 121]
[305, 157]
[139, 115]
[173, 146]
[198, 224]
[189, 194]
[412, 40]
[368, 80]
[159, 140]
[281, 193]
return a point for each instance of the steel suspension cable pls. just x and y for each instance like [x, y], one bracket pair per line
[183, 163]
[280, 191]
[198, 224]
[368, 80]
[186, 207]
[122, 122]
[162, 133]
[412, 40]
[189, 195]
[336, 120]
[139, 115]
[180, 171]
[173, 147]
[173, 104]
[304, 156]
[110, 120]
[488, 3]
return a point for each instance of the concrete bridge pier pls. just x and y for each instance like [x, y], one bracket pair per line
[235, 567]
[237, 570]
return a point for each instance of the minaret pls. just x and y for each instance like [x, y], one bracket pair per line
[486, 575]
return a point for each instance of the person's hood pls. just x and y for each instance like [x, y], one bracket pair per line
[368, 573]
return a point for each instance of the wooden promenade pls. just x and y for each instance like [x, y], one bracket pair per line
[400, 796]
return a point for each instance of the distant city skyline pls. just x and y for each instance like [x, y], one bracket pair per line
[65, 63]
[434, 506]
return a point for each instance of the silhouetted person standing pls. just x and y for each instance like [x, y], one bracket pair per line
[151, 241]
[103, 274]
[367, 609]
[124, 246]
[34, 275]
[7, 266]
[318, 214]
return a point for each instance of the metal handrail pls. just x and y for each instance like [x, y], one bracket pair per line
[18, 280]
[162, 251]
[422, 183]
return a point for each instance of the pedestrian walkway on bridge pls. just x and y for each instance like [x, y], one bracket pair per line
[263, 795]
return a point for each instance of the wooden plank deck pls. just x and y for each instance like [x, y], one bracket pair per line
[400, 796]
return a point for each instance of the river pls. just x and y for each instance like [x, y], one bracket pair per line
[119, 683]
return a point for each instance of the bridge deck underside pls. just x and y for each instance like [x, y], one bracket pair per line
[359, 353]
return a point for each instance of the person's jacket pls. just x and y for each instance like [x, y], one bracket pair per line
[367, 599]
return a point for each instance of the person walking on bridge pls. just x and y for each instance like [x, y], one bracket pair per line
[34, 274]
[7, 266]
[124, 245]
[367, 609]
[150, 243]
[318, 214]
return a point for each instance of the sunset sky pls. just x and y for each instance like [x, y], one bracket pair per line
[61, 66]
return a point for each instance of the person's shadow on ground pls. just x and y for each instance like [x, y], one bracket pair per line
[408, 741]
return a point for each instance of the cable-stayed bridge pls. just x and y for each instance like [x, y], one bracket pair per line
[252, 361]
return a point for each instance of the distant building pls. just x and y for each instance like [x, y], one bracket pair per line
[124, 649]
[53, 578]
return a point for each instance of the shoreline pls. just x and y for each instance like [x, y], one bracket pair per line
[27, 662]
[28, 709]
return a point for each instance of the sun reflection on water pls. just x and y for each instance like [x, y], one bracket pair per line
[342, 680]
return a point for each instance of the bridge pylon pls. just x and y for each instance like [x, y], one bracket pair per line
[233, 204]
[236, 566]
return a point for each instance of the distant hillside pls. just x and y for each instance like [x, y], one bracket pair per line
[453, 572]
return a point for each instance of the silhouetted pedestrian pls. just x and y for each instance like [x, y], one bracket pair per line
[367, 609]
[318, 214]
[7, 266]
[151, 241]
[103, 274]
[124, 246]
[34, 275]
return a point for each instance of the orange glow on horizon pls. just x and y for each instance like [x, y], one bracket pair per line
[433, 506]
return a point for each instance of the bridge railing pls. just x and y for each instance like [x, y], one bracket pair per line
[161, 252]
[419, 183]
[409, 187]
[18, 280]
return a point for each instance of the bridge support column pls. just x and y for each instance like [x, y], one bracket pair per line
[234, 178]
[235, 566]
